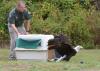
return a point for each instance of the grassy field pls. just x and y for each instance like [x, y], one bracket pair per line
[90, 59]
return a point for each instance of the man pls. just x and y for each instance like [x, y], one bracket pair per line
[18, 18]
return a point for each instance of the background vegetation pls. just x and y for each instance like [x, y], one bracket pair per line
[77, 19]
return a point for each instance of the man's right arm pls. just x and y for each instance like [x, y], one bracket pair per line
[11, 21]
[15, 29]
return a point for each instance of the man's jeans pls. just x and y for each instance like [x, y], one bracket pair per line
[13, 37]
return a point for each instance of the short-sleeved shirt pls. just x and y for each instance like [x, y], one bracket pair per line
[18, 18]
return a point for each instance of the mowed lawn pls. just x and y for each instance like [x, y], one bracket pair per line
[85, 60]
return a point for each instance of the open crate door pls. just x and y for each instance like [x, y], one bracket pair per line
[51, 54]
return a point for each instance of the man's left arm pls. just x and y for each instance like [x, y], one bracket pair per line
[27, 25]
[27, 21]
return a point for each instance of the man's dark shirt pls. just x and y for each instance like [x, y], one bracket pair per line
[18, 18]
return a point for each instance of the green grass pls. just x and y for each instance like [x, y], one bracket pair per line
[91, 59]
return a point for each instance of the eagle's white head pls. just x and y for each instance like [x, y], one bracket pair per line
[77, 48]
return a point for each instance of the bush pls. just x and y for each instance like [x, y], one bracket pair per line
[67, 17]
[5, 7]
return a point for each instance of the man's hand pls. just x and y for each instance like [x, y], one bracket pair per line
[27, 33]
[19, 33]
[22, 33]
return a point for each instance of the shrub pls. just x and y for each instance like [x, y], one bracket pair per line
[67, 17]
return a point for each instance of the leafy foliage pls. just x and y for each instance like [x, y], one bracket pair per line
[69, 17]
